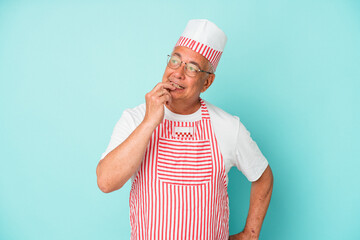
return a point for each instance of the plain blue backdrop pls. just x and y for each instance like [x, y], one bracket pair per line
[290, 71]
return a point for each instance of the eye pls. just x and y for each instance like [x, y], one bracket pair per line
[174, 60]
[192, 68]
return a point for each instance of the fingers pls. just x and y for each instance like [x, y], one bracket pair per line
[162, 91]
[163, 85]
[164, 94]
[160, 94]
[155, 101]
[166, 98]
[163, 88]
[169, 86]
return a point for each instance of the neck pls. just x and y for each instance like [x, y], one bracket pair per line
[184, 108]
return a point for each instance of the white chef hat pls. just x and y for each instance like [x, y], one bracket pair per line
[204, 37]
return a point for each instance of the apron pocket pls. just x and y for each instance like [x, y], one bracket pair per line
[184, 162]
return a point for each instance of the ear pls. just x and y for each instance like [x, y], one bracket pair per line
[208, 81]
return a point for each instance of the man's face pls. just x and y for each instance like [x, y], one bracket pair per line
[191, 86]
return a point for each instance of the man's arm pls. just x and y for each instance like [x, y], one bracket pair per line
[120, 164]
[116, 168]
[260, 196]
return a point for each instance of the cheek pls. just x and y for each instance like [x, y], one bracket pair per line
[167, 73]
[164, 78]
[200, 84]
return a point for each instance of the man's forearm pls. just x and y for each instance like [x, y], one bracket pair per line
[260, 196]
[121, 163]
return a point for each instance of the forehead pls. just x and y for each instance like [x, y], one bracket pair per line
[188, 55]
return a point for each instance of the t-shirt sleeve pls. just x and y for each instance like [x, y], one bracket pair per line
[249, 159]
[123, 128]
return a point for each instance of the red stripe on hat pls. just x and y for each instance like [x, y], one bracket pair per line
[191, 44]
[196, 48]
[211, 52]
[181, 41]
[211, 55]
[187, 41]
[201, 48]
[178, 42]
[205, 53]
[216, 57]
[195, 45]
[184, 40]
[217, 61]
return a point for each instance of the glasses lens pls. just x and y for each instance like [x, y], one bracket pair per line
[174, 61]
[191, 69]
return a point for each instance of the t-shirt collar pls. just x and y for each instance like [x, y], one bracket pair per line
[181, 117]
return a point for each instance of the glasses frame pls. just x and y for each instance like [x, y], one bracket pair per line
[181, 62]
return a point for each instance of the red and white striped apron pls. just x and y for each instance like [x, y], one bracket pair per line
[180, 190]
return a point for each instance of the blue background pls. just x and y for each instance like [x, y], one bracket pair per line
[290, 71]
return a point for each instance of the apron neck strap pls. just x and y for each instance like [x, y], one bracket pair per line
[204, 110]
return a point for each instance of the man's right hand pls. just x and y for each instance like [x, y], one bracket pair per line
[121, 163]
[155, 100]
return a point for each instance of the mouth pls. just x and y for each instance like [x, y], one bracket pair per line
[177, 85]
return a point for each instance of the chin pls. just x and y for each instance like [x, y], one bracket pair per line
[176, 95]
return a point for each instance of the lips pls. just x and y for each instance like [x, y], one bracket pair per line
[177, 85]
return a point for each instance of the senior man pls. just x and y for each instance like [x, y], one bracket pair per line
[178, 149]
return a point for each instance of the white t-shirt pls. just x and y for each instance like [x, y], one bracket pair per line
[236, 146]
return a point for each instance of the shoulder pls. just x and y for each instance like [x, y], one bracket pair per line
[131, 117]
[137, 112]
[218, 114]
[226, 127]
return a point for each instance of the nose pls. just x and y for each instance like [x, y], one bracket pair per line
[180, 71]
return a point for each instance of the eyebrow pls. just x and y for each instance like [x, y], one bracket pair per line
[195, 63]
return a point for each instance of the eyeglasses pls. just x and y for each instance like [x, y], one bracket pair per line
[190, 69]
